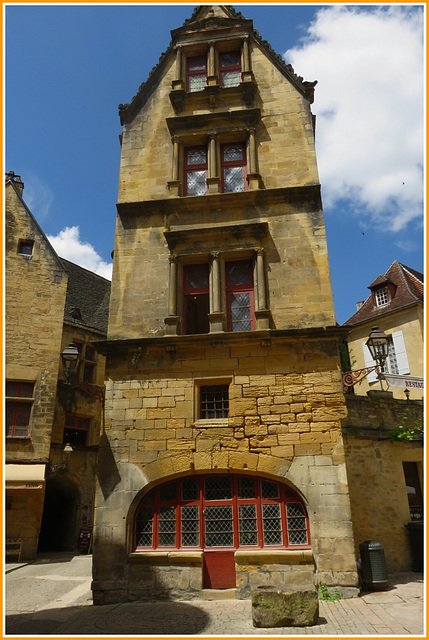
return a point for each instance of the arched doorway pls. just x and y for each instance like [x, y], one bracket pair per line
[57, 532]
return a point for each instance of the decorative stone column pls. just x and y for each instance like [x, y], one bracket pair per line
[213, 179]
[174, 184]
[253, 177]
[212, 78]
[172, 320]
[262, 313]
[246, 73]
[216, 315]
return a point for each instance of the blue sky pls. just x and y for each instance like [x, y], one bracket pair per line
[68, 67]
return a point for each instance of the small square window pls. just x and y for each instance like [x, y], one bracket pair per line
[25, 247]
[214, 402]
[382, 297]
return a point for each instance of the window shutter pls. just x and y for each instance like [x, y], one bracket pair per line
[401, 352]
[369, 362]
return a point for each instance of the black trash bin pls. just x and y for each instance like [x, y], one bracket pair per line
[415, 530]
[373, 565]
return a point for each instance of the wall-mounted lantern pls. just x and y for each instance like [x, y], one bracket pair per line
[378, 345]
[69, 358]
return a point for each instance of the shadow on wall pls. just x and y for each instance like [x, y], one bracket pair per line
[107, 472]
[58, 526]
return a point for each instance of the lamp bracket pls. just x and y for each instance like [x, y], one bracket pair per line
[350, 378]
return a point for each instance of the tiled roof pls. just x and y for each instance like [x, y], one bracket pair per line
[407, 289]
[87, 299]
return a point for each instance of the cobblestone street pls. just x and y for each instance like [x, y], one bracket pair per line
[52, 597]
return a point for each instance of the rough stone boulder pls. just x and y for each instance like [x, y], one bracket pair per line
[290, 606]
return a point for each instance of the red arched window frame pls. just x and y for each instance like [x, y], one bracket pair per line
[168, 517]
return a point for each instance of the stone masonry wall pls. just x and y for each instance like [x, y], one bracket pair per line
[376, 479]
[284, 423]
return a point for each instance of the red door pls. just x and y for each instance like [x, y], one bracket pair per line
[219, 570]
[219, 562]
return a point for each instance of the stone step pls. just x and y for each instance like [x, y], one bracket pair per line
[218, 594]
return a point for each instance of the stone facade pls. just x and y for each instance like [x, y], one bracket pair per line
[36, 284]
[282, 378]
[378, 493]
[50, 303]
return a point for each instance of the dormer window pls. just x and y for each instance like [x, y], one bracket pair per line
[230, 69]
[196, 73]
[382, 297]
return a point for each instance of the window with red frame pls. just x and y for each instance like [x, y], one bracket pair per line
[221, 511]
[230, 69]
[195, 167]
[76, 430]
[195, 298]
[19, 402]
[196, 73]
[233, 165]
[240, 296]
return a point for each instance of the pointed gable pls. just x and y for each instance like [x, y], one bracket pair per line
[404, 288]
[206, 21]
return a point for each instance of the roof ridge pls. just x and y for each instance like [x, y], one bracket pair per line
[97, 275]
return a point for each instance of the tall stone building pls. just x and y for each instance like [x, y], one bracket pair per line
[52, 424]
[221, 461]
[36, 283]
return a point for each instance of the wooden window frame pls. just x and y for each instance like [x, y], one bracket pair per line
[197, 72]
[232, 164]
[231, 68]
[194, 291]
[285, 496]
[231, 289]
[14, 404]
[76, 427]
[190, 168]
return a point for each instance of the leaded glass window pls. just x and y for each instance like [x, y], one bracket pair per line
[196, 72]
[219, 530]
[228, 510]
[195, 171]
[240, 296]
[233, 158]
[230, 69]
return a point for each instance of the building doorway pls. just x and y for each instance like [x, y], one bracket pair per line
[58, 529]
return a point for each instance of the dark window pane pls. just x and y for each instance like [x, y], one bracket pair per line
[239, 273]
[190, 526]
[214, 402]
[272, 524]
[218, 488]
[144, 527]
[168, 492]
[190, 489]
[269, 490]
[247, 524]
[246, 488]
[197, 276]
[197, 313]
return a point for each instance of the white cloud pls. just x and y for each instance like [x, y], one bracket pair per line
[68, 245]
[37, 195]
[369, 63]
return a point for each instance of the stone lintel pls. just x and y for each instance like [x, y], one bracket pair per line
[266, 556]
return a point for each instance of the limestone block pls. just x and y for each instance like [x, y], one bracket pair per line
[292, 606]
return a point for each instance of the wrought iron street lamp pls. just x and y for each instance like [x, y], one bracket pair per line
[70, 357]
[378, 345]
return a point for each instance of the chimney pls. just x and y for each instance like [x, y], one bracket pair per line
[16, 180]
[359, 304]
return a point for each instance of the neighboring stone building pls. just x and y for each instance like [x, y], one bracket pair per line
[36, 282]
[221, 462]
[50, 303]
[386, 475]
[70, 484]
[395, 305]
